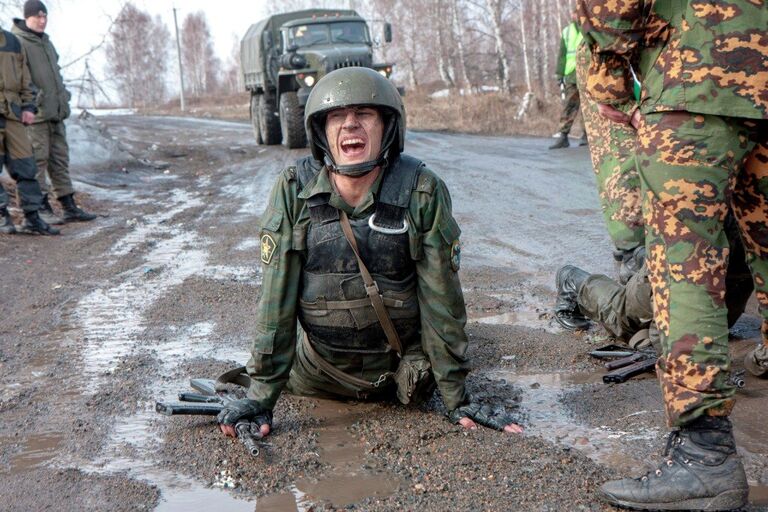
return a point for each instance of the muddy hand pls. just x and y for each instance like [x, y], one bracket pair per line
[244, 409]
[473, 413]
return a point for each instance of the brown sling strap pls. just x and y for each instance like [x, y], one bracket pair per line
[337, 374]
[372, 289]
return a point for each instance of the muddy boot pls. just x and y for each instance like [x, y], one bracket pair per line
[567, 313]
[583, 140]
[72, 213]
[34, 225]
[46, 212]
[6, 223]
[700, 471]
[631, 262]
[562, 142]
[756, 361]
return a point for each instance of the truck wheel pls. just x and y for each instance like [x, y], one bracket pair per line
[292, 121]
[255, 123]
[269, 124]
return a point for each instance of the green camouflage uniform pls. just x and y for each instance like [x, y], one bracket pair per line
[48, 133]
[705, 105]
[612, 147]
[570, 92]
[278, 361]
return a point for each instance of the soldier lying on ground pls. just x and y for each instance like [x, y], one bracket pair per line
[626, 310]
[360, 255]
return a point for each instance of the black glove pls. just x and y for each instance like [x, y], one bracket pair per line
[495, 417]
[245, 409]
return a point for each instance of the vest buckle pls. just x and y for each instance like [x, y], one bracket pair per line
[387, 231]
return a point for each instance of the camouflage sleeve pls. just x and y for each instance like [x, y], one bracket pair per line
[441, 301]
[560, 70]
[613, 32]
[274, 343]
[28, 93]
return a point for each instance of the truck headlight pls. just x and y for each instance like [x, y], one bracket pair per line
[309, 80]
[383, 72]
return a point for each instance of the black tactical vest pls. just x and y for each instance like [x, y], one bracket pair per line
[334, 309]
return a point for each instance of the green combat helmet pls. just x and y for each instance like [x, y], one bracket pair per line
[349, 87]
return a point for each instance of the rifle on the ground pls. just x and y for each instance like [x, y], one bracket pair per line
[208, 402]
[625, 363]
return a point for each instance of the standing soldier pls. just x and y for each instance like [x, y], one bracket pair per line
[361, 252]
[16, 110]
[566, 76]
[48, 134]
[703, 114]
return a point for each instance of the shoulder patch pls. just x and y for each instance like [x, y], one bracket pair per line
[290, 173]
[426, 183]
[268, 247]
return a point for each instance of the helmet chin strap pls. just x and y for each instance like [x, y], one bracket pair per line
[355, 170]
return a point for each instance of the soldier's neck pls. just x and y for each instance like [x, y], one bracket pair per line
[353, 190]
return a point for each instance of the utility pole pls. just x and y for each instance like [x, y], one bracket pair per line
[181, 68]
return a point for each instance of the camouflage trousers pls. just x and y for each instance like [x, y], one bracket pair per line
[16, 154]
[694, 169]
[49, 144]
[612, 148]
[570, 107]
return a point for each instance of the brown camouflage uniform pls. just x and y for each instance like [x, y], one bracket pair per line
[701, 138]
[612, 147]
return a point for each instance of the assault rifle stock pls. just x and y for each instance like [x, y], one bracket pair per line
[209, 402]
[626, 363]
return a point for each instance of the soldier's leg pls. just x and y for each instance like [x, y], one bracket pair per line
[612, 148]
[685, 162]
[738, 280]
[58, 161]
[570, 108]
[622, 310]
[39, 136]
[6, 223]
[750, 206]
[21, 166]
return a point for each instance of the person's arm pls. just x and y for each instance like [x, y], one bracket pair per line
[274, 342]
[28, 92]
[443, 314]
[560, 69]
[614, 37]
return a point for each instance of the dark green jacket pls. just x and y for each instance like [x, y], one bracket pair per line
[43, 61]
[18, 93]
[433, 235]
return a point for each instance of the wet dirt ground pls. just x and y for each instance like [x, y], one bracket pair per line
[100, 322]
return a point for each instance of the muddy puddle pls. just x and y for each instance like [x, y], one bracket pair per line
[35, 452]
[548, 418]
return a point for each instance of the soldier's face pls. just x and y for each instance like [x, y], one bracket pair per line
[37, 22]
[354, 134]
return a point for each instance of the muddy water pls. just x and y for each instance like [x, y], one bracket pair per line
[549, 419]
[36, 451]
[348, 481]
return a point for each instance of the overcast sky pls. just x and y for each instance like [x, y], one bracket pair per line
[75, 26]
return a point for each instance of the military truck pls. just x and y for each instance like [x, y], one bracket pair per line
[283, 56]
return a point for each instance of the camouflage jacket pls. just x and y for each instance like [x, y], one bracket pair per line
[433, 239]
[696, 56]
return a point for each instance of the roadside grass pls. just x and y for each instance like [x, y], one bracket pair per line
[489, 113]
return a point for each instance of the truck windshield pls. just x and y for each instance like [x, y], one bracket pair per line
[317, 33]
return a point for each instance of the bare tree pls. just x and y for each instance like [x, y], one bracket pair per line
[232, 78]
[201, 66]
[137, 56]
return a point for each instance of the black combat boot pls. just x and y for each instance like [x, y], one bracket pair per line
[6, 223]
[567, 313]
[700, 471]
[631, 262]
[34, 225]
[72, 213]
[756, 361]
[562, 142]
[583, 140]
[46, 212]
